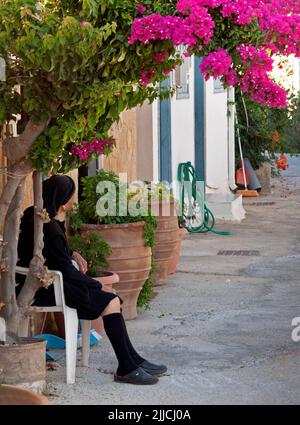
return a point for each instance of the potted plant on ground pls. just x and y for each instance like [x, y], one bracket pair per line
[130, 236]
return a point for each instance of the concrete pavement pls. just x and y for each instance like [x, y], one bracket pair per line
[222, 324]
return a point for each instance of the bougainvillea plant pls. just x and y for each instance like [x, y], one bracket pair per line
[73, 66]
[70, 72]
[236, 39]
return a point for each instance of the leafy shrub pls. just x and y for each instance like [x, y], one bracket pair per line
[94, 249]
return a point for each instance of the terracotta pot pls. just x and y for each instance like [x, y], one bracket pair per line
[130, 259]
[107, 279]
[14, 396]
[24, 364]
[175, 260]
[167, 239]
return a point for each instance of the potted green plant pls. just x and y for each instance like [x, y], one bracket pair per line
[129, 236]
[94, 249]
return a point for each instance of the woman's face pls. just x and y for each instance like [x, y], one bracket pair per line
[69, 205]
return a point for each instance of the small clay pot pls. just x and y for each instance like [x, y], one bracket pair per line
[11, 395]
[24, 364]
[107, 279]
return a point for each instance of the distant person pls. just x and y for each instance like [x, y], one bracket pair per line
[87, 295]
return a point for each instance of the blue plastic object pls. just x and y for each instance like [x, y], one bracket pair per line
[49, 358]
[53, 341]
[94, 338]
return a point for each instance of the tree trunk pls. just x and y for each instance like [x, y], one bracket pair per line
[10, 254]
[38, 273]
[16, 174]
[11, 202]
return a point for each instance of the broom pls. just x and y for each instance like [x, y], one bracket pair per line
[245, 192]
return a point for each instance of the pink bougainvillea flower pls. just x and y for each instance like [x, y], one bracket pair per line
[86, 150]
[198, 21]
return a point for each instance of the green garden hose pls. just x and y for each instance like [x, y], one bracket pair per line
[197, 217]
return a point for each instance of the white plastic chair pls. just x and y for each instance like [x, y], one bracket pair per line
[71, 326]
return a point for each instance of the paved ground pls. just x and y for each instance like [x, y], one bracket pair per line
[222, 324]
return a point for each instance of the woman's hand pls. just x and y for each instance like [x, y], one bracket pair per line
[80, 261]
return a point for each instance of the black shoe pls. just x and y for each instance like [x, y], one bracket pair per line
[137, 377]
[153, 369]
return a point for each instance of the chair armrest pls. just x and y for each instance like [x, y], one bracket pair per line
[57, 282]
[22, 270]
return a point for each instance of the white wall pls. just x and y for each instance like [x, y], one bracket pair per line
[216, 129]
[155, 135]
[183, 127]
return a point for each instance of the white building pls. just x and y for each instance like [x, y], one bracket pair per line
[194, 125]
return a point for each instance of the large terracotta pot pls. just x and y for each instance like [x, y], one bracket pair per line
[167, 239]
[130, 259]
[24, 364]
[14, 396]
[175, 260]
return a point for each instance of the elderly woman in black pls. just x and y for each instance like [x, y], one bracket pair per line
[81, 292]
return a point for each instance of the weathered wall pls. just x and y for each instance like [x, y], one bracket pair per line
[145, 163]
[124, 157]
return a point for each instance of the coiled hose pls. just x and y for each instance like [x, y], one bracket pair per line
[195, 214]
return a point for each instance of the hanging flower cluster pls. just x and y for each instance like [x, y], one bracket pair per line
[87, 150]
[216, 64]
[180, 30]
[197, 23]
[146, 76]
[282, 162]
[256, 80]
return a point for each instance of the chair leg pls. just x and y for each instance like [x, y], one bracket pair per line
[71, 331]
[86, 327]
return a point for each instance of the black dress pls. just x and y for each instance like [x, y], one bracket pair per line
[81, 291]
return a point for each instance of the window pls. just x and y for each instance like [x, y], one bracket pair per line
[182, 79]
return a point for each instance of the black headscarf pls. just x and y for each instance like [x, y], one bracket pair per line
[57, 191]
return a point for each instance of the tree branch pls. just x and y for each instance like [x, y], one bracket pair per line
[17, 148]
[38, 273]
